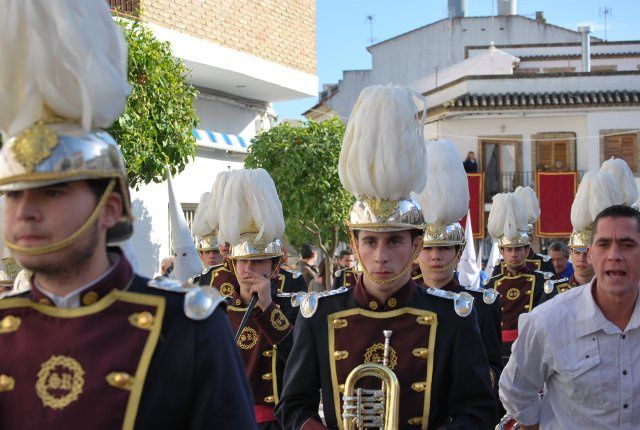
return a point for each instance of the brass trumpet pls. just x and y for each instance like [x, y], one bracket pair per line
[370, 408]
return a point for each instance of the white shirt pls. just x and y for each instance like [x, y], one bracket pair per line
[588, 367]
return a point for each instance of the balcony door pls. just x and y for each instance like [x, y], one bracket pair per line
[500, 160]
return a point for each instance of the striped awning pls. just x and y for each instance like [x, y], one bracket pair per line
[225, 142]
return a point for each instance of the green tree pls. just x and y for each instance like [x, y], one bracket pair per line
[155, 129]
[303, 162]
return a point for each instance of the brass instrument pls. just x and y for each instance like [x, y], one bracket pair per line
[370, 408]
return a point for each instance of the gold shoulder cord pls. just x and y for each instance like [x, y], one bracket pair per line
[46, 249]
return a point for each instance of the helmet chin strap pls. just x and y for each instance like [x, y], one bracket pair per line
[451, 264]
[405, 269]
[53, 247]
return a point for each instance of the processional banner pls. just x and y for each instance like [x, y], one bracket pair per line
[556, 191]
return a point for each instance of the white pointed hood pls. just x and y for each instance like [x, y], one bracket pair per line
[187, 263]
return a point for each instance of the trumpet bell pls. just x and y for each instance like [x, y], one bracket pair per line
[366, 408]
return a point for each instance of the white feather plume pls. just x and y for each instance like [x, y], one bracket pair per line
[528, 196]
[383, 154]
[507, 216]
[69, 56]
[596, 192]
[2, 233]
[445, 198]
[624, 179]
[255, 201]
[216, 197]
[199, 226]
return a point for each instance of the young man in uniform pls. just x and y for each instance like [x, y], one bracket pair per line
[534, 261]
[445, 200]
[91, 345]
[429, 339]
[251, 221]
[520, 287]
[347, 275]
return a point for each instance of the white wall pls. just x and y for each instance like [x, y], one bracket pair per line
[465, 131]
[226, 118]
[622, 63]
[150, 207]
[413, 55]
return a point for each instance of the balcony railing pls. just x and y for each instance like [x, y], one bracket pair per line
[507, 182]
[127, 8]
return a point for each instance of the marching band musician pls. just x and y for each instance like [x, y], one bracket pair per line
[534, 261]
[91, 344]
[251, 221]
[206, 223]
[445, 200]
[347, 275]
[438, 356]
[520, 287]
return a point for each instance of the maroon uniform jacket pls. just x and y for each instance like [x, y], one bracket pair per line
[264, 343]
[128, 357]
[437, 356]
[518, 294]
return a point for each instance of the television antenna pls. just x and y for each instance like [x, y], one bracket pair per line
[370, 19]
[606, 12]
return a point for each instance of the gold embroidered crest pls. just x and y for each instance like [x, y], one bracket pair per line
[278, 320]
[248, 338]
[436, 230]
[375, 354]
[513, 293]
[34, 145]
[226, 289]
[383, 209]
[60, 381]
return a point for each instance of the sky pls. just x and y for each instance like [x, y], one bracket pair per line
[343, 31]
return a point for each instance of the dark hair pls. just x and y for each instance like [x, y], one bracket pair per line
[307, 250]
[559, 246]
[617, 211]
[98, 186]
[414, 233]
[345, 252]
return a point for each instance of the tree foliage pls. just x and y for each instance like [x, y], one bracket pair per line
[303, 162]
[156, 128]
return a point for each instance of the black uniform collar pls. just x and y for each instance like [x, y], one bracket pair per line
[399, 299]
[118, 276]
[524, 271]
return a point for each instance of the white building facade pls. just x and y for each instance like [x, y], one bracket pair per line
[522, 104]
[241, 60]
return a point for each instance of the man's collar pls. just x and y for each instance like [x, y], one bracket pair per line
[523, 270]
[118, 276]
[590, 318]
[398, 299]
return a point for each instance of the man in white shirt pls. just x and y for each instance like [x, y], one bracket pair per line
[583, 347]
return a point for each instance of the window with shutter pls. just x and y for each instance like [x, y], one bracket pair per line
[624, 146]
[554, 154]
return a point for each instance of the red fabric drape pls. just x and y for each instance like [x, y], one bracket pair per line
[476, 204]
[555, 191]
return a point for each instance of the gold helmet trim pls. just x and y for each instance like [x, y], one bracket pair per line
[439, 234]
[385, 215]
